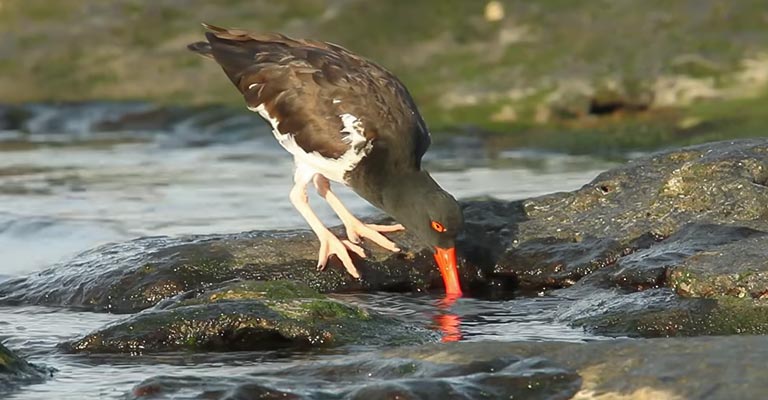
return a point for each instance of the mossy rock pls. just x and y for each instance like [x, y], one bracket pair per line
[738, 269]
[249, 316]
[660, 313]
[15, 371]
[248, 290]
[136, 275]
[663, 203]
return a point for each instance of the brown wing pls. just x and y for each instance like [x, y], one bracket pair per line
[306, 85]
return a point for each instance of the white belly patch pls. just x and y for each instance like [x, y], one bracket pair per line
[352, 134]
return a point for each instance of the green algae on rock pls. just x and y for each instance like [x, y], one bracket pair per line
[660, 313]
[135, 275]
[562, 237]
[15, 371]
[249, 316]
[713, 273]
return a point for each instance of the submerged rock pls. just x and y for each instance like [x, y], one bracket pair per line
[370, 378]
[726, 367]
[722, 367]
[250, 315]
[14, 371]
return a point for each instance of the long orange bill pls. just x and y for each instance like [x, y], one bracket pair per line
[446, 260]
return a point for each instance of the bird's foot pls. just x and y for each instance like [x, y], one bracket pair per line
[356, 231]
[331, 245]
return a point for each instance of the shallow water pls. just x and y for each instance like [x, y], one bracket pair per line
[65, 192]
[35, 332]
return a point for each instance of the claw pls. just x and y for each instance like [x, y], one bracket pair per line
[331, 245]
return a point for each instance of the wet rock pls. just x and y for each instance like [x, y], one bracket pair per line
[727, 367]
[562, 237]
[661, 313]
[390, 378]
[128, 277]
[75, 117]
[738, 269]
[249, 315]
[703, 280]
[720, 367]
[132, 121]
[146, 118]
[651, 266]
[13, 117]
[14, 371]
[194, 126]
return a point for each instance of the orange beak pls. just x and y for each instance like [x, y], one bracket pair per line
[446, 260]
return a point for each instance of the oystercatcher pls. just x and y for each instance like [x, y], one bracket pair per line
[348, 120]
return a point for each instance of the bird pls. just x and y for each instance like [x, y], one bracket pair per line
[347, 120]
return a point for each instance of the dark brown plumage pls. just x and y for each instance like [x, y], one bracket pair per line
[301, 82]
[347, 119]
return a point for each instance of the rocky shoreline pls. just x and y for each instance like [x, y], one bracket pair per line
[668, 245]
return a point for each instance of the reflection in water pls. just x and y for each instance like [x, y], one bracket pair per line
[474, 319]
[448, 324]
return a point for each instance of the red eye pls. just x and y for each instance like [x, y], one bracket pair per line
[438, 226]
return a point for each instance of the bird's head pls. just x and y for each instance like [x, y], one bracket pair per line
[434, 216]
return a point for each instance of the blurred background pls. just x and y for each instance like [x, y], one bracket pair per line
[110, 129]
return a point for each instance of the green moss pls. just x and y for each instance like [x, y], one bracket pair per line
[317, 310]
[719, 286]
[695, 317]
[7, 360]
[276, 290]
[248, 325]
[682, 282]
[329, 309]
[737, 316]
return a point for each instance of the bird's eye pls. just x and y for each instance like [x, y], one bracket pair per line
[438, 227]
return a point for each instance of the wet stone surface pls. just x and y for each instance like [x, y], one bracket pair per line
[15, 371]
[725, 367]
[128, 277]
[372, 379]
[249, 315]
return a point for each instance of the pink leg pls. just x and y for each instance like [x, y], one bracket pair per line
[355, 228]
[329, 244]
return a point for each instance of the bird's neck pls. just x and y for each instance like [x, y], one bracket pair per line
[401, 190]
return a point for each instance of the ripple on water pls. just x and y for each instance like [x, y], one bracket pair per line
[35, 331]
